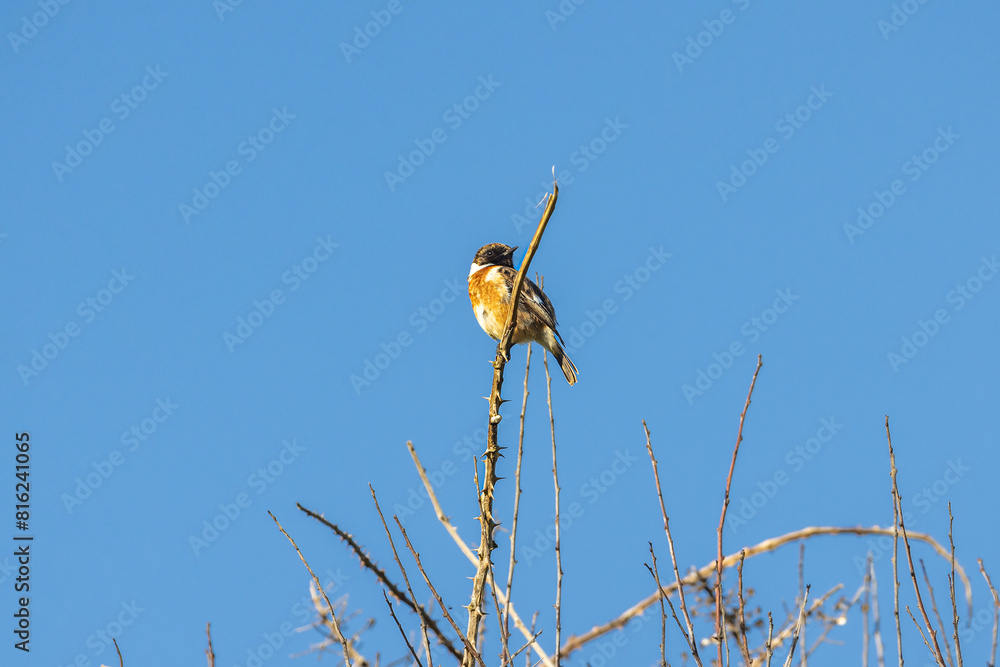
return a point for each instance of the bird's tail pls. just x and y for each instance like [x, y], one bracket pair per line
[568, 367]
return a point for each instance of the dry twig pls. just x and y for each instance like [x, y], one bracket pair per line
[555, 481]
[996, 613]
[936, 650]
[380, 574]
[333, 616]
[469, 647]
[575, 642]
[403, 632]
[406, 580]
[689, 636]
[464, 548]
[719, 634]
[517, 498]
[209, 652]
[798, 628]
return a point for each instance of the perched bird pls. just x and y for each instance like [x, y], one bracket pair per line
[491, 282]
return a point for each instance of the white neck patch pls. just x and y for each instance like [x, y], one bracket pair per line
[477, 267]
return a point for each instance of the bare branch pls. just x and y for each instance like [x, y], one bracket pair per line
[555, 480]
[469, 648]
[209, 652]
[719, 635]
[517, 499]
[576, 642]
[996, 613]
[464, 548]
[909, 557]
[689, 636]
[333, 616]
[380, 574]
[798, 628]
[406, 580]
[401, 631]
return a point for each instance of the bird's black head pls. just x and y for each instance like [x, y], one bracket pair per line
[496, 254]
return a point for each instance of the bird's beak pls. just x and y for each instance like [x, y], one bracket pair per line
[511, 252]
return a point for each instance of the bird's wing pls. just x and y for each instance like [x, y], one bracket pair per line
[532, 299]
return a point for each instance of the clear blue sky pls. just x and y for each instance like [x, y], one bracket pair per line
[213, 219]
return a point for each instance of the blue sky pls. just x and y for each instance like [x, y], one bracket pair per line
[218, 216]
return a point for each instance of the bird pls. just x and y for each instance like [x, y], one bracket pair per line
[491, 283]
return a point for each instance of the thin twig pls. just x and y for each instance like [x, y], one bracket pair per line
[527, 656]
[996, 613]
[689, 636]
[401, 631]
[555, 481]
[121, 662]
[866, 607]
[504, 650]
[720, 637]
[770, 637]
[464, 548]
[654, 571]
[876, 620]
[517, 498]
[937, 615]
[406, 579]
[951, 587]
[470, 649]
[742, 639]
[909, 557]
[487, 522]
[209, 652]
[896, 517]
[333, 615]
[380, 574]
[526, 645]
[802, 569]
[798, 628]
[574, 643]
[919, 629]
